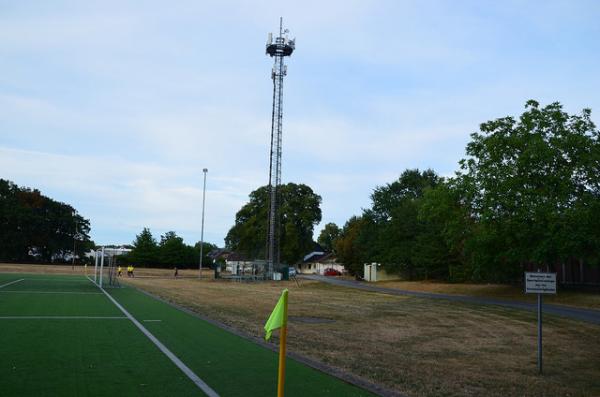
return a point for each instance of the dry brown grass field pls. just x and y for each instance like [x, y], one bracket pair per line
[589, 300]
[419, 347]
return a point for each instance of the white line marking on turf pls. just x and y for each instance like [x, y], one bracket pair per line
[186, 370]
[12, 282]
[151, 321]
[63, 318]
[51, 292]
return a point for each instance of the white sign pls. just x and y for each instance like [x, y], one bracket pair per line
[540, 283]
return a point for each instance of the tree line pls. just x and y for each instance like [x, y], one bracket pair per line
[527, 194]
[36, 228]
[170, 251]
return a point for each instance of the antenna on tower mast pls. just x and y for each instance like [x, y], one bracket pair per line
[278, 49]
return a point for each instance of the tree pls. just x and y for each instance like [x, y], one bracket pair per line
[36, 227]
[410, 186]
[446, 226]
[299, 212]
[145, 249]
[172, 250]
[328, 236]
[395, 213]
[348, 245]
[392, 233]
[532, 185]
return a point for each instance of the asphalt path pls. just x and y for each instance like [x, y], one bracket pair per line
[587, 315]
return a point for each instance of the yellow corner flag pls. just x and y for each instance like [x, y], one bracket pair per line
[278, 317]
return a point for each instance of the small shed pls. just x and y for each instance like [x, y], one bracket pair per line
[374, 272]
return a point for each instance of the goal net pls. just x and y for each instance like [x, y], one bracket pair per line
[106, 268]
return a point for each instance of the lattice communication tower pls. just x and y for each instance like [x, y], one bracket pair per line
[278, 49]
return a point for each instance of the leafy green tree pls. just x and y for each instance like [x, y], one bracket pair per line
[395, 213]
[328, 235]
[36, 227]
[145, 249]
[348, 245]
[172, 250]
[410, 186]
[446, 225]
[299, 213]
[533, 185]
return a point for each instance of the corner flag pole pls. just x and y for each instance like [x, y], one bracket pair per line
[282, 345]
[278, 320]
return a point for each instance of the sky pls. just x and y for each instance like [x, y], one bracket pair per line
[115, 107]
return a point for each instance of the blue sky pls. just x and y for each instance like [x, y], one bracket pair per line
[116, 106]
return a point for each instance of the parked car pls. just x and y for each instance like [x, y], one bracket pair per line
[331, 272]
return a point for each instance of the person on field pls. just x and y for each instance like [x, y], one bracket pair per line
[132, 272]
[176, 272]
[119, 271]
[129, 271]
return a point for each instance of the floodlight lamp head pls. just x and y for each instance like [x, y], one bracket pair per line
[205, 170]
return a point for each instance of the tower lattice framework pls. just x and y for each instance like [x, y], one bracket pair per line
[279, 48]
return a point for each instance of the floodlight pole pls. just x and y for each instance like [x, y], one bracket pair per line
[205, 170]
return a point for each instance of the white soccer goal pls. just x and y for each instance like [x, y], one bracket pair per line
[105, 268]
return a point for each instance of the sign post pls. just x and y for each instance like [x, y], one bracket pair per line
[540, 283]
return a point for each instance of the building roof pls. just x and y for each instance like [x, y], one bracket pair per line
[238, 257]
[319, 257]
[218, 253]
[316, 249]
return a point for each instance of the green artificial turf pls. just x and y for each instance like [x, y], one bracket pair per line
[17, 304]
[112, 358]
[84, 358]
[77, 357]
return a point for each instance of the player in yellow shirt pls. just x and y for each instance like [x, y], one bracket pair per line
[119, 271]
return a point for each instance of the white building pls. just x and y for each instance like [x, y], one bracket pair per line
[317, 262]
[115, 251]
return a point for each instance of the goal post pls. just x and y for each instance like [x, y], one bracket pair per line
[105, 268]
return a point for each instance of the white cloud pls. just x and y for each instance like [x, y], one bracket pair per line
[125, 197]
